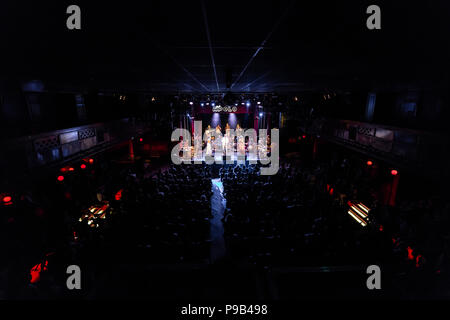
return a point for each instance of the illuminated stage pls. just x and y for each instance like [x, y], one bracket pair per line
[232, 158]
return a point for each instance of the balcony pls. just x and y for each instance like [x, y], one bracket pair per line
[414, 150]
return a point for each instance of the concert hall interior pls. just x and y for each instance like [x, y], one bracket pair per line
[259, 150]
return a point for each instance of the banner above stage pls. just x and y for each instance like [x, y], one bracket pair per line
[223, 109]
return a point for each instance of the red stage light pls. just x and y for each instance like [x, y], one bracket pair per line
[71, 169]
[91, 160]
[60, 178]
[35, 272]
[141, 139]
[394, 172]
[83, 166]
[418, 260]
[304, 137]
[118, 195]
[369, 163]
[7, 199]
[410, 255]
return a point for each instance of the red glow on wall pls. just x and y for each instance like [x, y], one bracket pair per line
[381, 228]
[60, 178]
[369, 163]
[331, 191]
[35, 272]
[118, 195]
[394, 172]
[410, 255]
[83, 166]
[40, 212]
[418, 260]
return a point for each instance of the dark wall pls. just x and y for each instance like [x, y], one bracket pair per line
[414, 109]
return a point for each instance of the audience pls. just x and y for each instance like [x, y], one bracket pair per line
[296, 218]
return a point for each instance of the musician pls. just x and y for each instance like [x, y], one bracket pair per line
[227, 137]
[208, 132]
[240, 147]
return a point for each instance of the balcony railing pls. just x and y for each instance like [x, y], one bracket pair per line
[60, 145]
[411, 149]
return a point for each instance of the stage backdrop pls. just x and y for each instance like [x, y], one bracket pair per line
[221, 119]
[233, 115]
[223, 109]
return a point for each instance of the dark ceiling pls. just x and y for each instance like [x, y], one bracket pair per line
[207, 46]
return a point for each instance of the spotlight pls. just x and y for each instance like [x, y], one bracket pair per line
[7, 199]
[261, 114]
[140, 139]
[91, 161]
[394, 172]
[60, 178]
[258, 102]
[191, 103]
[202, 104]
[248, 104]
[83, 166]
[213, 104]
[369, 163]
[243, 103]
[207, 103]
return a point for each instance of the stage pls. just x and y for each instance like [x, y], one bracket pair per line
[231, 159]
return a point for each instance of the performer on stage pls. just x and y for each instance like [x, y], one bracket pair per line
[218, 139]
[208, 133]
[208, 147]
[240, 148]
[227, 138]
[208, 140]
